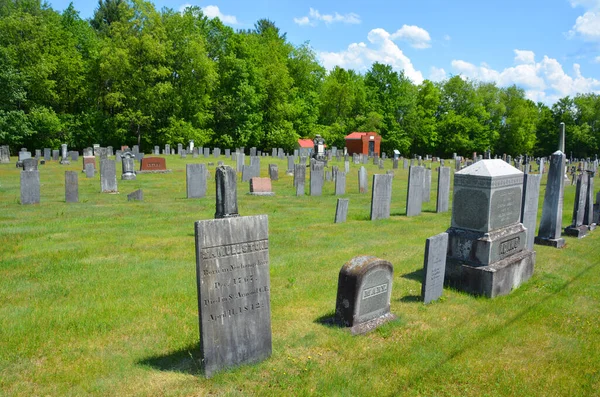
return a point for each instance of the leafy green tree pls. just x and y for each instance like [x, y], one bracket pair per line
[518, 131]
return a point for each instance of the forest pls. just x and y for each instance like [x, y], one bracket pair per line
[132, 74]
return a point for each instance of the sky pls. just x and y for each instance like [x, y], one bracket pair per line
[550, 48]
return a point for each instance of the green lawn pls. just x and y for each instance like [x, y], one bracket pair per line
[99, 297]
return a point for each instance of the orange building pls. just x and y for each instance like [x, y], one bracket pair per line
[363, 143]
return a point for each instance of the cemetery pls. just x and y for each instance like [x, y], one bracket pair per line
[218, 274]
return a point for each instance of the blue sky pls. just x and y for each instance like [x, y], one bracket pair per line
[551, 48]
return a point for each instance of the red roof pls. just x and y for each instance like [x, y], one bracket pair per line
[359, 135]
[306, 143]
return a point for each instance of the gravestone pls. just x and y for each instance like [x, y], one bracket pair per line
[443, 189]
[290, 165]
[128, 167]
[30, 164]
[153, 165]
[577, 228]
[47, 154]
[89, 160]
[426, 186]
[395, 164]
[137, 195]
[250, 171]
[273, 172]
[55, 154]
[362, 180]
[232, 278]
[364, 293]
[226, 197]
[64, 154]
[529, 206]
[183, 154]
[217, 152]
[156, 151]
[405, 164]
[89, 170]
[340, 183]
[261, 187]
[434, 267]
[179, 148]
[108, 176]
[414, 195]
[316, 179]
[74, 155]
[346, 166]
[551, 224]
[71, 187]
[381, 197]
[30, 187]
[4, 154]
[341, 210]
[588, 217]
[195, 180]
[206, 152]
[299, 178]
[227, 152]
[240, 158]
[486, 241]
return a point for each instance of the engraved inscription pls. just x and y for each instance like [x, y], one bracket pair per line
[235, 249]
[374, 291]
[509, 246]
[506, 207]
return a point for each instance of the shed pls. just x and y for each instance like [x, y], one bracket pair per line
[363, 143]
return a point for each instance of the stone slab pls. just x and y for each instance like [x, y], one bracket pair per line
[196, 176]
[434, 267]
[108, 176]
[414, 195]
[30, 187]
[341, 210]
[529, 206]
[71, 187]
[381, 197]
[443, 190]
[137, 195]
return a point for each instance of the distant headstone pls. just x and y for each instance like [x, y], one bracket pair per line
[346, 166]
[89, 170]
[443, 190]
[250, 171]
[529, 206]
[55, 154]
[195, 178]
[30, 187]
[414, 195]
[434, 267]
[206, 152]
[363, 294]
[227, 152]
[71, 187]
[128, 167]
[290, 165]
[137, 195]
[316, 179]
[273, 172]
[74, 155]
[64, 154]
[108, 176]
[47, 154]
[217, 152]
[340, 183]
[261, 187]
[240, 158]
[153, 164]
[341, 210]
[577, 228]
[551, 223]
[362, 180]
[89, 160]
[226, 198]
[426, 186]
[381, 197]
[4, 154]
[30, 164]
[232, 260]
[299, 178]
[588, 217]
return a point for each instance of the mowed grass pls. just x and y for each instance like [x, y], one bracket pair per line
[99, 298]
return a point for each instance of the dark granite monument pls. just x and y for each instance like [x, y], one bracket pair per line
[226, 198]
[551, 224]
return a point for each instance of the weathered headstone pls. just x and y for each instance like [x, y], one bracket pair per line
[551, 224]
[137, 195]
[4, 154]
[64, 154]
[426, 197]
[577, 228]
[381, 197]
[362, 180]
[47, 154]
[30, 187]
[108, 176]
[195, 180]
[316, 179]
[240, 158]
[153, 164]
[443, 189]
[273, 172]
[414, 195]
[71, 187]
[340, 183]
[89, 170]
[128, 167]
[529, 206]
[250, 171]
[299, 178]
[226, 198]
[206, 152]
[55, 154]
[290, 165]
[30, 164]
[486, 241]
[232, 277]
[588, 217]
[434, 267]
[364, 293]
[341, 210]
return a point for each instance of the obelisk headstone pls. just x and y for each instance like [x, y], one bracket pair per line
[551, 224]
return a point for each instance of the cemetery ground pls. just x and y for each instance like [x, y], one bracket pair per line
[99, 297]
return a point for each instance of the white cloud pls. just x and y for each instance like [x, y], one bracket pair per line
[314, 16]
[597, 59]
[447, 37]
[360, 56]
[214, 12]
[544, 81]
[437, 74]
[417, 37]
[587, 26]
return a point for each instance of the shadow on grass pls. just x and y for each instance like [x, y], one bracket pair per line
[417, 275]
[328, 320]
[186, 360]
[487, 334]
[398, 213]
[410, 298]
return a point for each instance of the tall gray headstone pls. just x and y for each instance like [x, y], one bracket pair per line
[577, 228]
[47, 154]
[529, 207]
[4, 154]
[71, 187]
[340, 183]
[240, 158]
[561, 137]
[128, 167]
[443, 190]
[317, 178]
[381, 197]
[226, 198]
[64, 154]
[195, 178]
[362, 180]
[299, 178]
[108, 176]
[434, 267]
[588, 218]
[55, 154]
[426, 186]
[414, 195]
[341, 210]
[273, 172]
[30, 187]
[551, 224]
[233, 282]
[30, 164]
[90, 170]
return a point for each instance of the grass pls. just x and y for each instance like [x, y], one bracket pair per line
[99, 298]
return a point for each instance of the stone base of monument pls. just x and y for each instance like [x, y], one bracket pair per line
[576, 231]
[369, 326]
[493, 280]
[261, 193]
[65, 162]
[128, 177]
[550, 242]
[592, 227]
[154, 171]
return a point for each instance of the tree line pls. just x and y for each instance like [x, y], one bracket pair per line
[135, 75]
